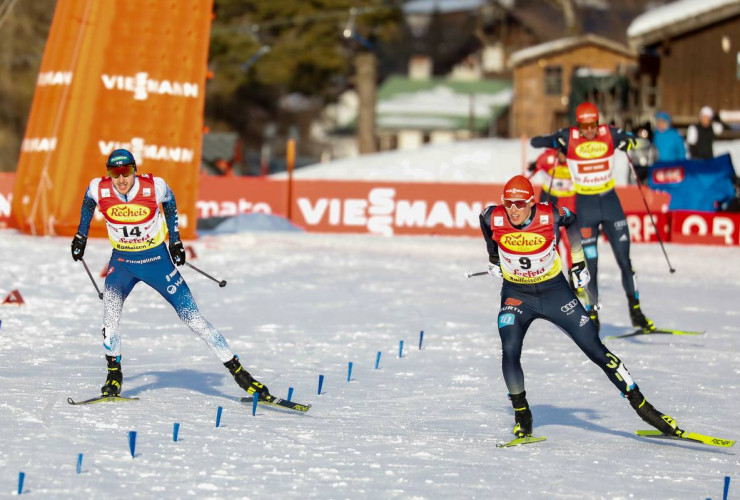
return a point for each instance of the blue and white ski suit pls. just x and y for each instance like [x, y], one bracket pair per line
[137, 229]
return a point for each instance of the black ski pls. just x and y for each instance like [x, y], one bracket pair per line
[273, 401]
[659, 331]
[101, 399]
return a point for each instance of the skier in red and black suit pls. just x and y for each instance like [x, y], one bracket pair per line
[589, 149]
[521, 238]
[557, 187]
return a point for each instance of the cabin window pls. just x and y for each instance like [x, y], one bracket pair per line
[553, 80]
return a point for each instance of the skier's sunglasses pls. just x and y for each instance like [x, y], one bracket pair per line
[519, 204]
[125, 170]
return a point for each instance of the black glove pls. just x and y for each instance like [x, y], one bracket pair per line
[532, 166]
[78, 246]
[627, 144]
[177, 252]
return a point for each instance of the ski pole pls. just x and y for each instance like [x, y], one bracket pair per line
[597, 306]
[468, 274]
[100, 294]
[221, 283]
[657, 233]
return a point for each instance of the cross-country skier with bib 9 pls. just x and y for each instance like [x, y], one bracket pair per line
[521, 238]
[136, 229]
[589, 150]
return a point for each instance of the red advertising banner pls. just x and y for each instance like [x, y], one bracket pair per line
[642, 229]
[114, 75]
[705, 228]
[391, 208]
[410, 208]
[228, 196]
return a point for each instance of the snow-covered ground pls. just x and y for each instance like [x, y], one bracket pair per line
[476, 161]
[422, 426]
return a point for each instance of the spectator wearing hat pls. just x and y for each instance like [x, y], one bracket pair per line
[700, 137]
[666, 139]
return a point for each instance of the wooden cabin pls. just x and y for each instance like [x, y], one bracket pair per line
[542, 77]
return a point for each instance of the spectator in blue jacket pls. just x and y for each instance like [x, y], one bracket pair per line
[666, 139]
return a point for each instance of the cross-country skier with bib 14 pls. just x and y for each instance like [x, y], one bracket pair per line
[589, 150]
[521, 238]
[136, 229]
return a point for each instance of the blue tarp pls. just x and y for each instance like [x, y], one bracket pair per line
[699, 185]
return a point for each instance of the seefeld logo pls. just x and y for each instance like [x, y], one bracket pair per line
[523, 242]
[128, 213]
[591, 149]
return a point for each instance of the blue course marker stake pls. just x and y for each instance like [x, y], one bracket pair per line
[321, 382]
[79, 463]
[727, 488]
[290, 393]
[132, 443]
[218, 416]
[175, 431]
[421, 338]
[377, 360]
[349, 371]
[21, 477]
[400, 349]
[255, 400]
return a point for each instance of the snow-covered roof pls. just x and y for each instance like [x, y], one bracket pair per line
[440, 103]
[562, 44]
[429, 6]
[678, 17]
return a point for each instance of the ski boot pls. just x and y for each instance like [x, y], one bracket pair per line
[522, 415]
[649, 414]
[113, 383]
[245, 380]
[639, 320]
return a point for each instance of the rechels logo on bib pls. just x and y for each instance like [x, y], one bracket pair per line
[592, 149]
[523, 242]
[128, 213]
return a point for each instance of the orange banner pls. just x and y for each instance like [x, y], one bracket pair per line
[114, 75]
[7, 179]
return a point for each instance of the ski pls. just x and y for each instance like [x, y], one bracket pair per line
[659, 331]
[284, 404]
[101, 399]
[689, 436]
[521, 440]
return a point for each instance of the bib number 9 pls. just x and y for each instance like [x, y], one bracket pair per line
[525, 262]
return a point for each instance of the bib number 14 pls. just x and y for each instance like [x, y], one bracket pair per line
[134, 231]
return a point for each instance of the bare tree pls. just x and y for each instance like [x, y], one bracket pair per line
[569, 13]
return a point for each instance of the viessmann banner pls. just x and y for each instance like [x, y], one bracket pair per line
[416, 208]
[115, 74]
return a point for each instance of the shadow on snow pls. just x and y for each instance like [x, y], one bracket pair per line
[203, 382]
